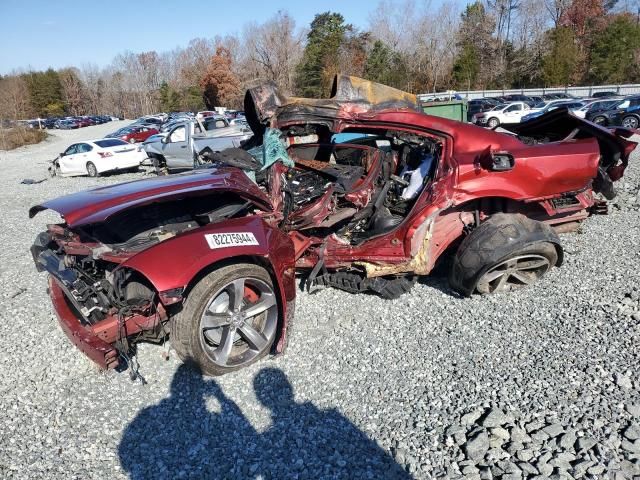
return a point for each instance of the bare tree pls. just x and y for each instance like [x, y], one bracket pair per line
[14, 97]
[556, 9]
[272, 50]
[73, 90]
[426, 41]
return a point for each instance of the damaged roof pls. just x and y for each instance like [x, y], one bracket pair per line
[349, 96]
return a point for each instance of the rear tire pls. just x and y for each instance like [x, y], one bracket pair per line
[506, 252]
[132, 140]
[92, 171]
[599, 120]
[217, 330]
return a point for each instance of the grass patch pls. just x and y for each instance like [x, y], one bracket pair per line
[17, 137]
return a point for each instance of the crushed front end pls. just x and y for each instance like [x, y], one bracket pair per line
[99, 305]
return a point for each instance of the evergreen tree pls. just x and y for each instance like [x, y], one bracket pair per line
[385, 66]
[559, 64]
[321, 52]
[475, 65]
[169, 98]
[466, 67]
[191, 99]
[46, 93]
[616, 52]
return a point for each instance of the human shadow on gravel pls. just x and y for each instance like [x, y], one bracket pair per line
[181, 438]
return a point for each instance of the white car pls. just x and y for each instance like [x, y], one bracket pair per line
[507, 113]
[98, 156]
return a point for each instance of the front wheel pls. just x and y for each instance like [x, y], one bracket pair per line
[506, 252]
[493, 122]
[92, 171]
[228, 321]
[630, 122]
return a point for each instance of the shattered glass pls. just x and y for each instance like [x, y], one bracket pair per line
[273, 149]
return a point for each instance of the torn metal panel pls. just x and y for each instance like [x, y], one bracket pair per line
[350, 95]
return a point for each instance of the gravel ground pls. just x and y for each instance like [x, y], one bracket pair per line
[539, 383]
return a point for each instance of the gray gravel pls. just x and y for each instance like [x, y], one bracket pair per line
[539, 383]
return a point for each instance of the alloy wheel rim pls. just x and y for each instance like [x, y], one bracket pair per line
[513, 273]
[239, 322]
[630, 122]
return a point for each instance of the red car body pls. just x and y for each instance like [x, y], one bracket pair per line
[479, 172]
[139, 134]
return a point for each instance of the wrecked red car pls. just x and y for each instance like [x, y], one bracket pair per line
[210, 258]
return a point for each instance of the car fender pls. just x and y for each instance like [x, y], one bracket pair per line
[173, 265]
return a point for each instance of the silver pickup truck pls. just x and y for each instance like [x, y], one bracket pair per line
[179, 147]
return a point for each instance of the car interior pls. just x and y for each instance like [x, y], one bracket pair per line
[361, 188]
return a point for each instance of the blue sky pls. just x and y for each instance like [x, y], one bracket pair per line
[59, 33]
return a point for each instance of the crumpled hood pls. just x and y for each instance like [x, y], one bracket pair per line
[98, 204]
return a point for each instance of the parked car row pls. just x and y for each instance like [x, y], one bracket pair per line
[603, 110]
[67, 123]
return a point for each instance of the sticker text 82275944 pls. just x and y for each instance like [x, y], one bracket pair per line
[234, 239]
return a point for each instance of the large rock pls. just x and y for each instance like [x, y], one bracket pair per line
[477, 446]
[495, 418]
[632, 432]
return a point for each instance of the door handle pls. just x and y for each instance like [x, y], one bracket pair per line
[183, 146]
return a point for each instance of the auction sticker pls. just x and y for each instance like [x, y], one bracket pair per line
[225, 240]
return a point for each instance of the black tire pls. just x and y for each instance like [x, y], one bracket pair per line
[92, 171]
[188, 337]
[599, 120]
[522, 248]
[630, 121]
[493, 122]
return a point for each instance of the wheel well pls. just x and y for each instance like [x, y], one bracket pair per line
[157, 156]
[481, 208]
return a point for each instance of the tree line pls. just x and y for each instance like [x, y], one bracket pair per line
[412, 46]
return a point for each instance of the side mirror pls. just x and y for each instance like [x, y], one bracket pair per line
[496, 161]
[501, 162]
[164, 140]
[62, 154]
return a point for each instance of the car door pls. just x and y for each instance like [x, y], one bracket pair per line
[513, 113]
[84, 156]
[69, 161]
[175, 149]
